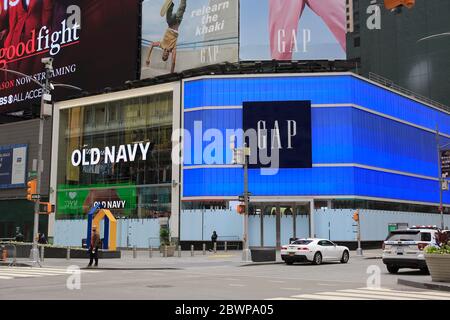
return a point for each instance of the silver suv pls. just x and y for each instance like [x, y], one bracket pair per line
[404, 248]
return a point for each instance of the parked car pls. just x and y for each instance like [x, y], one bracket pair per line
[314, 250]
[404, 248]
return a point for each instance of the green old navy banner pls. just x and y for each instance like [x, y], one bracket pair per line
[119, 198]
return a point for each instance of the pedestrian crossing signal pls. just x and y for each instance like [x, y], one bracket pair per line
[241, 209]
[46, 208]
[398, 4]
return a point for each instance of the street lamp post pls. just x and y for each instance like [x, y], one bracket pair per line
[47, 87]
[240, 156]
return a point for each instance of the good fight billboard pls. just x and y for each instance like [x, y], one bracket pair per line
[85, 38]
[292, 30]
[185, 34]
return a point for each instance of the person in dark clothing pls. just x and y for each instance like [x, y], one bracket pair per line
[42, 239]
[94, 246]
[19, 236]
[214, 239]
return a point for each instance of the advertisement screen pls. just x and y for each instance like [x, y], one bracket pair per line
[13, 165]
[93, 43]
[292, 30]
[283, 130]
[184, 34]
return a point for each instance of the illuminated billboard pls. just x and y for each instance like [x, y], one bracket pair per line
[292, 30]
[185, 34]
[85, 38]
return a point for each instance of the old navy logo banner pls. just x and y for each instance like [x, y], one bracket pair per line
[85, 38]
[282, 127]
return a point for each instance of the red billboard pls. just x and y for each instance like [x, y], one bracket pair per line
[93, 43]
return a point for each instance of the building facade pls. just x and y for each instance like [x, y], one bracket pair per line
[163, 151]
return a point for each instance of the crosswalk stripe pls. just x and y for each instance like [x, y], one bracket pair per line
[433, 293]
[5, 278]
[419, 295]
[20, 275]
[367, 296]
[283, 299]
[35, 272]
[52, 270]
[324, 297]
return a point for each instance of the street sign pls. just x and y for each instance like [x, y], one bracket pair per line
[445, 163]
[36, 197]
[32, 174]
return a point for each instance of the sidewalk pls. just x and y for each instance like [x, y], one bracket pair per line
[144, 262]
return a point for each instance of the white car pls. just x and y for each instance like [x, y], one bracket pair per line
[314, 250]
[404, 248]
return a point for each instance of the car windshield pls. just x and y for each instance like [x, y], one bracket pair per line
[404, 236]
[305, 242]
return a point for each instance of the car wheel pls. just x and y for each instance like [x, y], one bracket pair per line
[289, 262]
[425, 270]
[392, 269]
[317, 258]
[345, 257]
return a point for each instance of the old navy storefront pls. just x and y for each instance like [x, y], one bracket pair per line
[344, 144]
[114, 151]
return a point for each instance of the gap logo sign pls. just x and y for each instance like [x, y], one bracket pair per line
[278, 130]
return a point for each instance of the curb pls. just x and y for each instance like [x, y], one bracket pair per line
[373, 258]
[130, 269]
[260, 263]
[439, 286]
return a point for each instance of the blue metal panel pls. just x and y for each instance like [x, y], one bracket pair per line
[319, 89]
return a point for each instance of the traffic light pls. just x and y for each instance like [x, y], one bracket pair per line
[398, 4]
[356, 216]
[241, 209]
[32, 187]
[46, 208]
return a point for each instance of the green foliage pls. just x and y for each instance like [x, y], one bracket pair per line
[443, 242]
[164, 236]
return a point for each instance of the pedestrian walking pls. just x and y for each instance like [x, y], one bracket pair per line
[94, 246]
[213, 239]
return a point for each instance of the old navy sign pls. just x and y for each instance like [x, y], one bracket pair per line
[111, 155]
[282, 127]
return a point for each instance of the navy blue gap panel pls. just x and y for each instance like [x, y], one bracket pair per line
[288, 121]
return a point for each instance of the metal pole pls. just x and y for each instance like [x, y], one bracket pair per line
[245, 251]
[179, 251]
[441, 209]
[215, 247]
[165, 251]
[192, 250]
[68, 253]
[359, 250]
[134, 252]
[226, 246]
[34, 251]
[42, 253]
[204, 249]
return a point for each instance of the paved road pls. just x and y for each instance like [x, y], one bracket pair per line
[211, 277]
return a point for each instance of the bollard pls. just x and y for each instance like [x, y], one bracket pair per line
[165, 251]
[192, 250]
[42, 253]
[134, 252]
[215, 247]
[179, 251]
[204, 249]
[226, 246]
[150, 251]
[68, 253]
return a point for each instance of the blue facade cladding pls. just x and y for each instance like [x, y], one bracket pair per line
[342, 135]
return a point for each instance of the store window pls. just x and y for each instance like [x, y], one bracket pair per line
[117, 154]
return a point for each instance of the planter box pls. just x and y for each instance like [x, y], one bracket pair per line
[439, 266]
[263, 254]
[170, 250]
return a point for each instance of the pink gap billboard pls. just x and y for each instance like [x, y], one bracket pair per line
[292, 30]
